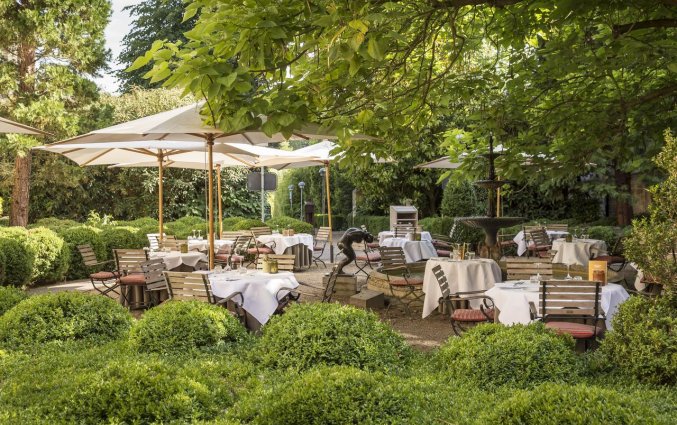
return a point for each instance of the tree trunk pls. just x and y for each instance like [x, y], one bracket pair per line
[18, 215]
[623, 203]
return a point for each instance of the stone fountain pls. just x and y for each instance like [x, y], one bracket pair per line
[491, 223]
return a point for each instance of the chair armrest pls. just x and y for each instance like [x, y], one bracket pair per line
[395, 270]
[284, 288]
[223, 301]
[456, 294]
[533, 313]
[473, 297]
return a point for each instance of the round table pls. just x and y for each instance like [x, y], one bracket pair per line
[260, 291]
[301, 245]
[203, 244]
[578, 252]
[521, 242]
[174, 259]
[463, 276]
[413, 250]
[382, 236]
[513, 304]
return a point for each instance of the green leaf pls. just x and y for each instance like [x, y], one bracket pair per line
[374, 49]
[358, 25]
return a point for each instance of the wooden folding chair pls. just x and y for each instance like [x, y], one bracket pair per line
[131, 279]
[156, 285]
[234, 254]
[109, 279]
[366, 256]
[321, 241]
[189, 286]
[559, 227]
[257, 249]
[521, 268]
[540, 243]
[394, 266]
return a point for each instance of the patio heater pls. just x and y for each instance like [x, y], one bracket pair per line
[291, 199]
[301, 186]
[322, 174]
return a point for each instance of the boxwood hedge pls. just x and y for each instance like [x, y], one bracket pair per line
[9, 297]
[519, 356]
[19, 259]
[52, 255]
[309, 335]
[290, 223]
[63, 316]
[81, 235]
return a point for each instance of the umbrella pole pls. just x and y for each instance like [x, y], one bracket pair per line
[326, 182]
[263, 195]
[220, 198]
[160, 199]
[210, 189]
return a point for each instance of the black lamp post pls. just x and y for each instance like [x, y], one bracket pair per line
[301, 186]
[291, 199]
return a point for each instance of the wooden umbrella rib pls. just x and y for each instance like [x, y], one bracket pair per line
[247, 163]
[96, 157]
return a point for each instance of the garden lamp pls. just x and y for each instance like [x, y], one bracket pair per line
[301, 186]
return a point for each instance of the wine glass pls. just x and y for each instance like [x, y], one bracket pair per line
[199, 234]
[193, 233]
[569, 270]
[538, 271]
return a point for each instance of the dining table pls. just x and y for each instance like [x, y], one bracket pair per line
[512, 300]
[203, 244]
[521, 240]
[462, 276]
[578, 251]
[300, 245]
[413, 250]
[382, 236]
[174, 259]
[260, 291]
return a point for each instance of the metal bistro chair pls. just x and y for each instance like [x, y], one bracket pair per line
[562, 301]
[326, 291]
[463, 318]
[131, 279]
[257, 248]
[372, 245]
[233, 254]
[540, 243]
[560, 227]
[394, 264]
[321, 241]
[367, 257]
[616, 262]
[190, 286]
[230, 235]
[156, 285]
[109, 279]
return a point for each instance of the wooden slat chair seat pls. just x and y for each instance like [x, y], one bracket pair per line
[540, 243]
[521, 268]
[394, 266]
[564, 303]
[321, 240]
[155, 283]
[190, 286]
[107, 279]
[463, 318]
[129, 265]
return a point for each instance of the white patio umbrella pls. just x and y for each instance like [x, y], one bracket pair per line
[9, 126]
[440, 163]
[186, 124]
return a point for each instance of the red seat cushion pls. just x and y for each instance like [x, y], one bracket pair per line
[237, 259]
[373, 245]
[371, 257]
[441, 244]
[611, 259]
[411, 281]
[104, 275]
[576, 330]
[133, 279]
[443, 253]
[318, 248]
[261, 250]
[472, 315]
[222, 257]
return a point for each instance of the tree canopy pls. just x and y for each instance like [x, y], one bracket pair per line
[577, 88]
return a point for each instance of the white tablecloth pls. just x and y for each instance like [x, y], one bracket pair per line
[203, 245]
[514, 303]
[284, 242]
[174, 259]
[413, 250]
[463, 276]
[382, 236]
[259, 290]
[521, 241]
[577, 252]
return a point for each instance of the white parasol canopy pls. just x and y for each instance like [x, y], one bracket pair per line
[9, 126]
[440, 163]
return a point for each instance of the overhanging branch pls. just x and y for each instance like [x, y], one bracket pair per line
[619, 30]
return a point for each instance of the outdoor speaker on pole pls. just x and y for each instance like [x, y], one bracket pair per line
[254, 181]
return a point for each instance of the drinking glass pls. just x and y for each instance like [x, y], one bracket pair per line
[569, 272]
[193, 233]
[199, 234]
[538, 271]
[471, 255]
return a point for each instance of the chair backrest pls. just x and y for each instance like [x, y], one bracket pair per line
[442, 281]
[172, 244]
[322, 234]
[230, 235]
[402, 230]
[129, 260]
[561, 227]
[241, 243]
[260, 231]
[527, 229]
[540, 237]
[189, 286]
[88, 255]
[520, 268]
[153, 241]
[392, 257]
[331, 284]
[569, 299]
[153, 272]
[285, 262]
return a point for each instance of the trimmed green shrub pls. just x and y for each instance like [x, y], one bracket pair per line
[63, 316]
[577, 404]
[519, 356]
[183, 229]
[3, 266]
[114, 237]
[9, 297]
[19, 260]
[643, 342]
[81, 235]
[437, 225]
[141, 222]
[248, 223]
[309, 335]
[182, 326]
[338, 222]
[230, 222]
[111, 384]
[607, 234]
[290, 223]
[52, 255]
[374, 223]
[190, 221]
[54, 223]
[334, 395]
